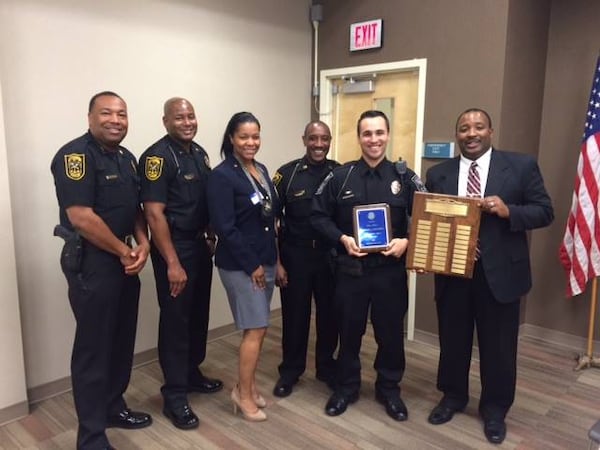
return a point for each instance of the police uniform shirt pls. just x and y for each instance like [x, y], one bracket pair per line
[341, 191]
[178, 179]
[296, 183]
[85, 174]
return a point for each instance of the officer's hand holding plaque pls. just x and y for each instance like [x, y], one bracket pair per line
[372, 227]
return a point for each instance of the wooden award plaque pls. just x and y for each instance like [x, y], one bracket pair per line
[443, 234]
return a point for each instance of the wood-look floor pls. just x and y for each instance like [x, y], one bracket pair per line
[554, 408]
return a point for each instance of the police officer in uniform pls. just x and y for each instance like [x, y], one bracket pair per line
[304, 256]
[175, 205]
[97, 187]
[375, 281]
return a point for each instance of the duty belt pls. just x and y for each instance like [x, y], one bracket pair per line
[310, 243]
[370, 261]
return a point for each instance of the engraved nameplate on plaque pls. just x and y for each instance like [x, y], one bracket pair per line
[443, 234]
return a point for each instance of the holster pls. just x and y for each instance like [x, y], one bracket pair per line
[72, 251]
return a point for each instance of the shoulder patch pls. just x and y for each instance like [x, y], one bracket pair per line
[75, 166]
[153, 167]
[277, 178]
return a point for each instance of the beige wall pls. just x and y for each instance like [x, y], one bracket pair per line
[224, 56]
[12, 375]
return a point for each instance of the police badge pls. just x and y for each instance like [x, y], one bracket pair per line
[153, 167]
[75, 166]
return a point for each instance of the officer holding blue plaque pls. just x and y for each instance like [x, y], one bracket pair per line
[370, 264]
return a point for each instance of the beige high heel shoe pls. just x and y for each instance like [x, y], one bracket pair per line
[256, 416]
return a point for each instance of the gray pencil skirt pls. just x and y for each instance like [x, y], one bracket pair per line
[250, 306]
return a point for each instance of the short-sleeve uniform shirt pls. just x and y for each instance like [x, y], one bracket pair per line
[85, 174]
[178, 179]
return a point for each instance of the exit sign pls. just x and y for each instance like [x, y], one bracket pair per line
[364, 35]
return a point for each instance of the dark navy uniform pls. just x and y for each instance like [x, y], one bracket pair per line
[304, 254]
[178, 179]
[374, 281]
[103, 298]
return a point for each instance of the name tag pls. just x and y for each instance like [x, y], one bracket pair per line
[255, 198]
[112, 177]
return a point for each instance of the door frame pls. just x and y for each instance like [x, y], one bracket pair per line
[326, 113]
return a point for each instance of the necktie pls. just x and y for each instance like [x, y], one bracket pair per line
[473, 181]
[474, 190]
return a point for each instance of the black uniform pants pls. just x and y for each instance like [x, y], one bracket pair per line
[183, 324]
[463, 305]
[105, 304]
[384, 290]
[309, 274]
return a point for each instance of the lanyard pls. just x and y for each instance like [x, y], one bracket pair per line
[266, 189]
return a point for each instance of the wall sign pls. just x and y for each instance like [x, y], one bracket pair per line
[438, 150]
[364, 35]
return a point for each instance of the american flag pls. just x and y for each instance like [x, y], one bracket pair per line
[580, 249]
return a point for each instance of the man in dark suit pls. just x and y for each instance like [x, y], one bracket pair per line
[513, 201]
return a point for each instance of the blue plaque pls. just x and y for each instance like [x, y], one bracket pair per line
[372, 228]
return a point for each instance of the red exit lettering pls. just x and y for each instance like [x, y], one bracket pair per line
[365, 35]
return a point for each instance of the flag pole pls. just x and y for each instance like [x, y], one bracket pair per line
[588, 360]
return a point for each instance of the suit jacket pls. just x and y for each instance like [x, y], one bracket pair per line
[246, 236]
[516, 179]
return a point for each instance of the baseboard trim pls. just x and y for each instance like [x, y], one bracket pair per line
[557, 338]
[567, 341]
[14, 412]
[60, 386]
[426, 337]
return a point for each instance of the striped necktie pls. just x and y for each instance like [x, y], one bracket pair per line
[474, 190]
[473, 181]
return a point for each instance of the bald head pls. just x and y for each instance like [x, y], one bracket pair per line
[316, 123]
[179, 120]
[317, 139]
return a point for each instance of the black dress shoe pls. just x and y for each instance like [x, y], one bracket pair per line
[495, 430]
[337, 403]
[205, 385]
[182, 417]
[442, 414]
[283, 388]
[394, 406]
[129, 419]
